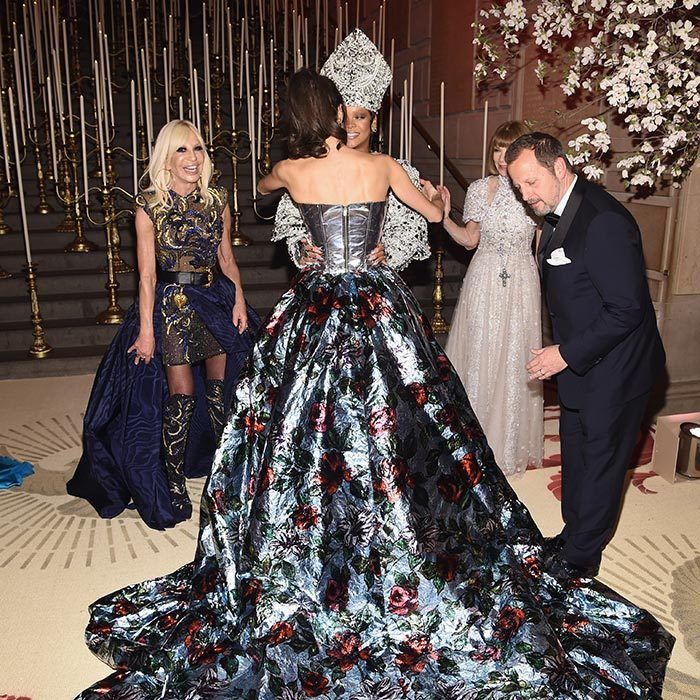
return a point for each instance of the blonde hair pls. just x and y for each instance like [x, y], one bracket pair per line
[158, 178]
[504, 135]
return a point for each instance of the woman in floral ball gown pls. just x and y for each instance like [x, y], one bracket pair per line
[358, 540]
[362, 75]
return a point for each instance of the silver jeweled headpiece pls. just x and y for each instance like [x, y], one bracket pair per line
[359, 71]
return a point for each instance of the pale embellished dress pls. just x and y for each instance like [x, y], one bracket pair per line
[496, 323]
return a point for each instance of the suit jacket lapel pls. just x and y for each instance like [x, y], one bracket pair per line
[544, 242]
[557, 238]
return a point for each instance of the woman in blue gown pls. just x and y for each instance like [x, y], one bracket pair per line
[156, 410]
[357, 539]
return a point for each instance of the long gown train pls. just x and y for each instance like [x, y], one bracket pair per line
[358, 540]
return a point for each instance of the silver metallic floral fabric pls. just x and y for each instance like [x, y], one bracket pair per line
[358, 540]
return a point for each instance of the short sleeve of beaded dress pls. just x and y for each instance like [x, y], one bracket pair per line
[496, 321]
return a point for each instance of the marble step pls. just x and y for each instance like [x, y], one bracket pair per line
[83, 331]
[62, 361]
[91, 298]
[19, 364]
[262, 286]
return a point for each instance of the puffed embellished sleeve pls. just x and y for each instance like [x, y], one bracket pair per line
[476, 201]
[405, 232]
[290, 226]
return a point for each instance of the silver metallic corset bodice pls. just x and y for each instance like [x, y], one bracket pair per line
[346, 233]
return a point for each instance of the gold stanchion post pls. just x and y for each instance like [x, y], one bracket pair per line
[64, 191]
[39, 348]
[438, 323]
[238, 238]
[120, 266]
[80, 243]
[266, 165]
[114, 313]
[43, 207]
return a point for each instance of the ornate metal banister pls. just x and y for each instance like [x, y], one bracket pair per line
[434, 147]
[438, 322]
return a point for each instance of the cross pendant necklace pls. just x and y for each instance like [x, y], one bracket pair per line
[504, 276]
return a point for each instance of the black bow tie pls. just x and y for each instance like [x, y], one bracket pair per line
[552, 219]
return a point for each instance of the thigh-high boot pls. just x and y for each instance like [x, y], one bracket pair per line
[215, 404]
[177, 417]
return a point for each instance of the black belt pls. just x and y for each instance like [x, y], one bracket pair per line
[198, 279]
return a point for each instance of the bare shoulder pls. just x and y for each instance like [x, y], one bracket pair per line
[384, 161]
[387, 160]
[283, 167]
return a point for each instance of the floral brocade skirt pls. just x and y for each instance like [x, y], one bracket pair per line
[358, 540]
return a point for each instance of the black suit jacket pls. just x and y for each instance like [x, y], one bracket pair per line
[601, 310]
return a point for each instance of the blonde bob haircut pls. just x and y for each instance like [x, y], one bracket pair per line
[157, 180]
[504, 135]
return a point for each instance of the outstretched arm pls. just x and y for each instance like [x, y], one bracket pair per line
[467, 236]
[429, 204]
[274, 181]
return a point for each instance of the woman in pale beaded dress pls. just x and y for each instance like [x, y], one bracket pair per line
[496, 322]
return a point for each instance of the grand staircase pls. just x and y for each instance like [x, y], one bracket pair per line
[72, 291]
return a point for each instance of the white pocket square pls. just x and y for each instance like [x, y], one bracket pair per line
[558, 257]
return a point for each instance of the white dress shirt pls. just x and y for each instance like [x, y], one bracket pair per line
[565, 199]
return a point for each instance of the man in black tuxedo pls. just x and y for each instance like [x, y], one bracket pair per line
[608, 351]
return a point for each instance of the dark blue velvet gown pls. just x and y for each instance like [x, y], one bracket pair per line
[121, 465]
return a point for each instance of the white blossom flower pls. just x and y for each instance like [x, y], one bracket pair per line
[639, 62]
[592, 171]
[642, 178]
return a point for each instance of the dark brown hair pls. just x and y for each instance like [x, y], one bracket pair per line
[504, 135]
[546, 148]
[312, 113]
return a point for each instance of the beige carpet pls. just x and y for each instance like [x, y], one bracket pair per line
[56, 557]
